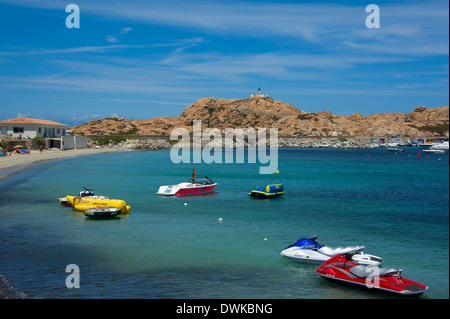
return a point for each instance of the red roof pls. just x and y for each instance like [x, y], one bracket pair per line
[26, 120]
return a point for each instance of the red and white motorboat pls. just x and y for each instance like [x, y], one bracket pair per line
[196, 186]
[358, 270]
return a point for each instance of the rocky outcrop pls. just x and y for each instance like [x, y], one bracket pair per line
[9, 291]
[160, 125]
[264, 112]
[106, 126]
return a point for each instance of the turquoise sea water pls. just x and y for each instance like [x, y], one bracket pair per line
[394, 204]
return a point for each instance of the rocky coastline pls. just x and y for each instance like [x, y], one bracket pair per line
[155, 143]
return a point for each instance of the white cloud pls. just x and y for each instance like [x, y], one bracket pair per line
[84, 117]
[111, 39]
[329, 25]
[188, 72]
[85, 49]
[125, 30]
[114, 38]
[308, 49]
[20, 114]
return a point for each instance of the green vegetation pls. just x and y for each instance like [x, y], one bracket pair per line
[307, 116]
[172, 142]
[129, 132]
[438, 129]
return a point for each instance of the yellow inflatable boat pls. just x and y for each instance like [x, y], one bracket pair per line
[83, 203]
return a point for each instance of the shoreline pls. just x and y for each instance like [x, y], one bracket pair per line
[19, 162]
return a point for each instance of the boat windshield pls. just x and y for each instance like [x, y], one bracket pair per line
[202, 180]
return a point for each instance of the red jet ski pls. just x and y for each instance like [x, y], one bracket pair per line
[350, 268]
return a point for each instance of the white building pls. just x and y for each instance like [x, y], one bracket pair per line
[54, 133]
[24, 127]
[259, 94]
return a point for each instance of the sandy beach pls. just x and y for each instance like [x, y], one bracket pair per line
[17, 162]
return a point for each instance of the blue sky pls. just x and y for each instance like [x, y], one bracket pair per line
[141, 59]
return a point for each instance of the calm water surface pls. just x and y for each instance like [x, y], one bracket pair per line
[394, 204]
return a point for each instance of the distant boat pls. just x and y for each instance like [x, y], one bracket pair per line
[392, 144]
[433, 151]
[395, 149]
[443, 145]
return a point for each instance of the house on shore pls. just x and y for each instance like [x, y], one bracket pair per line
[53, 133]
[24, 127]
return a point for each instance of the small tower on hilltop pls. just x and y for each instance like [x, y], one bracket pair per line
[259, 94]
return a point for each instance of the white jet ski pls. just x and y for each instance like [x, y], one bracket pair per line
[309, 249]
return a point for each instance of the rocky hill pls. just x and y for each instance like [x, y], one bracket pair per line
[265, 112]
